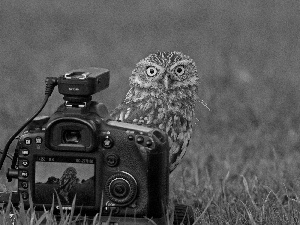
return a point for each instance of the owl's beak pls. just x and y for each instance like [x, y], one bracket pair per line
[166, 81]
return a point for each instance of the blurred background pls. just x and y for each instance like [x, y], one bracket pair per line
[247, 54]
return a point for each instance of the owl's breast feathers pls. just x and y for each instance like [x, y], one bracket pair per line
[171, 112]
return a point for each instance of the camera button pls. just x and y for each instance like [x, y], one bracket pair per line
[107, 142]
[140, 139]
[148, 143]
[25, 163]
[25, 195]
[24, 185]
[24, 174]
[27, 141]
[130, 137]
[112, 160]
[25, 152]
[38, 140]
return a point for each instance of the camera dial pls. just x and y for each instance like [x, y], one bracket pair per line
[121, 188]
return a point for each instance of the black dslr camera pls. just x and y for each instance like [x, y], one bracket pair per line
[113, 167]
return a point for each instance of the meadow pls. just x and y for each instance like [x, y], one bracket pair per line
[243, 164]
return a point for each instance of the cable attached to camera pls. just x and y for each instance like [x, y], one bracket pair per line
[51, 82]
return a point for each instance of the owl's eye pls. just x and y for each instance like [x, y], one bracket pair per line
[179, 70]
[151, 71]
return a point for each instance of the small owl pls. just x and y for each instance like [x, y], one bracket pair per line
[67, 182]
[163, 93]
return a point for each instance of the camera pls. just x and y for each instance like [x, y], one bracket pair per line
[112, 167]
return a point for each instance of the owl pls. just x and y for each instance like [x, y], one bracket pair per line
[67, 182]
[163, 93]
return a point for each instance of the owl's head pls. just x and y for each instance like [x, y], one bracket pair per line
[165, 71]
[70, 171]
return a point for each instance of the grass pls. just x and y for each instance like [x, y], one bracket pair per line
[261, 194]
[11, 215]
[240, 200]
[223, 188]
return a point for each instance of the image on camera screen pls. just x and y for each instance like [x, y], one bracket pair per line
[66, 176]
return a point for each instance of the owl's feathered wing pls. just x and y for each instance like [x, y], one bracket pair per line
[133, 109]
[150, 109]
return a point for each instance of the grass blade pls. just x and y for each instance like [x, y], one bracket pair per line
[95, 219]
[66, 220]
[101, 208]
[202, 214]
[249, 215]
[62, 215]
[40, 220]
[22, 212]
[72, 209]
[8, 208]
[248, 192]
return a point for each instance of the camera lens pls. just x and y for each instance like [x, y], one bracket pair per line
[71, 136]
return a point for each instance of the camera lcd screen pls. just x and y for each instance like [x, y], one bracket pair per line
[67, 176]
